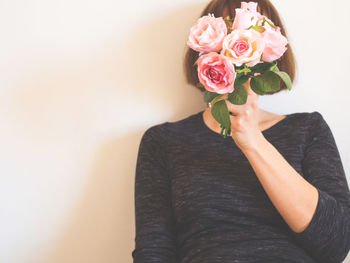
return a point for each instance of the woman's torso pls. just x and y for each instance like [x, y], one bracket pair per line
[221, 210]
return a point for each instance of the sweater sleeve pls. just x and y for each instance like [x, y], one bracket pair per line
[327, 237]
[154, 222]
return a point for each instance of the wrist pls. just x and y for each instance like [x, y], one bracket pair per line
[259, 143]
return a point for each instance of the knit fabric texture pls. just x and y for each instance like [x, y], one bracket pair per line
[198, 200]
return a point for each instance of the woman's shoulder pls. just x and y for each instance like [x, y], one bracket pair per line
[308, 118]
[297, 124]
[184, 123]
[184, 129]
[314, 125]
[166, 128]
[313, 119]
[308, 121]
[306, 114]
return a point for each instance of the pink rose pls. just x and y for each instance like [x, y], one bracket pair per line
[216, 73]
[246, 16]
[207, 34]
[243, 47]
[275, 44]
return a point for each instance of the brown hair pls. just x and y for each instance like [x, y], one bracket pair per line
[286, 63]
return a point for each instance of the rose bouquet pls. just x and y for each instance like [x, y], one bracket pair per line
[229, 55]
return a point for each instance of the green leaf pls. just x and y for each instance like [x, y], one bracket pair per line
[266, 82]
[239, 95]
[262, 67]
[269, 22]
[260, 29]
[256, 88]
[285, 77]
[243, 70]
[217, 97]
[209, 96]
[274, 66]
[241, 79]
[221, 114]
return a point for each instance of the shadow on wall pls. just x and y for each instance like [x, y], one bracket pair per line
[101, 226]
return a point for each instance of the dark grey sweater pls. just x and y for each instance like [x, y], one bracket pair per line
[198, 200]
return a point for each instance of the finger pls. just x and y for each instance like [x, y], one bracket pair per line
[231, 107]
[252, 96]
[240, 109]
[248, 88]
[236, 110]
[235, 122]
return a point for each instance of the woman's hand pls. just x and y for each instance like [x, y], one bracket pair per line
[245, 129]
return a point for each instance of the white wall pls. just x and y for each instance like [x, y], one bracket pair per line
[81, 81]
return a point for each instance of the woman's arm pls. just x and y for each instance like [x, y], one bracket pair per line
[155, 239]
[317, 208]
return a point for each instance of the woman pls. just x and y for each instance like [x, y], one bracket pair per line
[274, 192]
